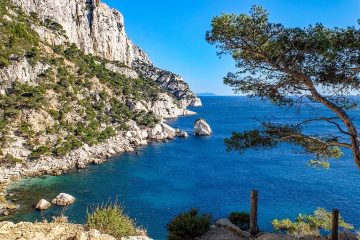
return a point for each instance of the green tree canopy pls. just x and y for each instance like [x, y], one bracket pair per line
[287, 65]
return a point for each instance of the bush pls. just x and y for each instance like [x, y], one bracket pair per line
[106, 134]
[70, 143]
[240, 219]
[110, 219]
[148, 119]
[308, 225]
[4, 61]
[40, 151]
[188, 225]
[10, 159]
[54, 26]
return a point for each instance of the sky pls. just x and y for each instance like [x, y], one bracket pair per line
[172, 32]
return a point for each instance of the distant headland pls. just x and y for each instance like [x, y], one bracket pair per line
[206, 94]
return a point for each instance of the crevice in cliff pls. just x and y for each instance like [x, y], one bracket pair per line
[92, 5]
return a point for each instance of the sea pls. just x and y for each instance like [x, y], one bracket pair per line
[162, 180]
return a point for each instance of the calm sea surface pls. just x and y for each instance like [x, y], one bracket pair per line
[168, 178]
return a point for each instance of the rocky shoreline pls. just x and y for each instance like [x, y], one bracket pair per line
[125, 141]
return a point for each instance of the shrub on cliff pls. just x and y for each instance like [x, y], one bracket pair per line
[240, 219]
[308, 225]
[110, 219]
[188, 225]
[10, 160]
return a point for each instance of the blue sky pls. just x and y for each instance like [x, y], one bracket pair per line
[172, 32]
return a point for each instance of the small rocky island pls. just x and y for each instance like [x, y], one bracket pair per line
[202, 128]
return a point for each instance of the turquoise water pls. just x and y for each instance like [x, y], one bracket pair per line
[168, 178]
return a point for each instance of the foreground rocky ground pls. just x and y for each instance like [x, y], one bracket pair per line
[53, 231]
[225, 230]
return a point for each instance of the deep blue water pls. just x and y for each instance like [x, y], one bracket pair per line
[168, 178]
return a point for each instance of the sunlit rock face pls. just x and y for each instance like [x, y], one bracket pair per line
[93, 26]
[99, 30]
[168, 81]
[202, 128]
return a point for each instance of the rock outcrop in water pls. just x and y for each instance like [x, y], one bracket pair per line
[43, 205]
[63, 199]
[202, 128]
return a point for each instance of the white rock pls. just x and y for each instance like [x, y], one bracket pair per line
[226, 223]
[43, 205]
[202, 128]
[128, 134]
[169, 131]
[112, 151]
[144, 134]
[136, 238]
[63, 199]
[80, 165]
[182, 134]
[104, 37]
[169, 81]
[7, 18]
[156, 131]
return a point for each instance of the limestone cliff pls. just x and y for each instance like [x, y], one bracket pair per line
[99, 30]
[71, 91]
[169, 81]
[93, 27]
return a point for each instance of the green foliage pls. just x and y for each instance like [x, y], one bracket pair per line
[40, 151]
[148, 119]
[272, 134]
[18, 97]
[111, 219]
[90, 66]
[54, 26]
[119, 111]
[16, 36]
[106, 134]
[240, 219]
[4, 61]
[70, 143]
[287, 65]
[308, 225]
[188, 226]
[22, 95]
[72, 84]
[25, 130]
[10, 159]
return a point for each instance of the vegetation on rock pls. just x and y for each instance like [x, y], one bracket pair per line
[81, 101]
[188, 226]
[110, 219]
[240, 219]
[309, 225]
[17, 38]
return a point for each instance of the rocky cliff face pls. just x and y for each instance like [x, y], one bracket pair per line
[73, 91]
[168, 81]
[99, 30]
[94, 28]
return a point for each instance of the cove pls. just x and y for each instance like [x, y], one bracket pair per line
[164, 179]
